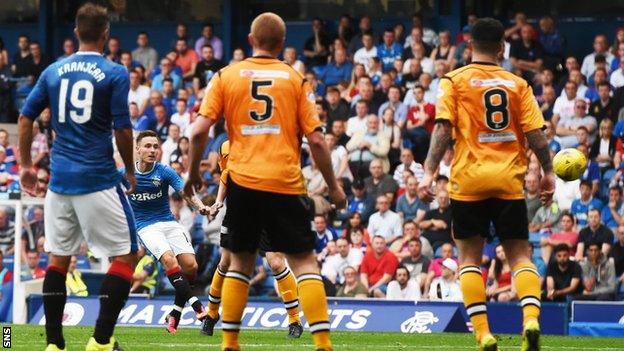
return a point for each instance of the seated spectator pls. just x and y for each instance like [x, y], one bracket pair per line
[6, 275]
[394, 101]
[385, 222]
[499, 274]
[603, 148]
[338, 71]
[8, 147]
[316, 47]
[612, 213]
[595, 232]
[359, 203]
[436, 225]
[7, 233]
[601, 47]
[598, 275]
[338, 129]
[389, 50]
[604, 107]
[403, 288]
[181, 152]
[32, 269]
[420, 119]
[352, 286]
[546, 218]
[380, 183]
[323, 234]
[146, 55]
[592, 172]
[181, 117]
[564, 107]
[357, 123]
[435, 266]
[566, 129]
[339, 158]
[145, 273]
[378, 268]
[316, 187]
[39, 149]
[401, 248]
[337, 107]
[367, 147]
[446, 287]
[138, 93]
[407, 162]
[238, 55]
[617, 76]
[208, 66]
[166, 71]
[547, 102]
[445, 51]
[187, 58]
[334, 265]
[532, 194]
[409, 206]
[208, 38]
[411, 74]
[366, 52]
[393, 132]
[526, 53]
[416, 263]
[75, 285]
[127, 61]
[552, 41]
[563, 277]
[581, 206]
[567, 236]
[33, 232]
[617, 254]
[290, 57]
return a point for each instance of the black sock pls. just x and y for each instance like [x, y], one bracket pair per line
[54, 298]
[113, 295]
[183, 290]
[179, 303]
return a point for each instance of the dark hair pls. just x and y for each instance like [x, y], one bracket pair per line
[416, 240]
[487, 34]
[561, 247]
[125, 52]
[146, 134]
[600, 58]
[498, 266]
[333, 90]
[143, 33]
[394, 86]
[604, 84]
[389, 29]
[569, 215]
[183, 100]
[594, 243]
[402, 267]
[167, 80]
[181, 39]
[586, 183]
[91, 22]
[442, 178]
[208, 24]
[207, 46]
[133, 103]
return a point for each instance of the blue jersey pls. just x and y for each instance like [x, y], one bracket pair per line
[150, 200]
[579, 210]
[88, 97]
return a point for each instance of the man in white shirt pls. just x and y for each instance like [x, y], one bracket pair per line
[385, 222]
[182, 117]
[564, 105]
[364, 54]
[617, 77]
[403, 288]
[566, 128]
[446, 287]
[601, 46]
[171, 144]
[139, 94]
[407, 161]
[430, 95]
[334, 265]
[357, 123]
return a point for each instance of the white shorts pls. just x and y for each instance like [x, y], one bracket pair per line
[104, 219]
[166, 236]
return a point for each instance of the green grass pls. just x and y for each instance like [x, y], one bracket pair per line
[153, 339]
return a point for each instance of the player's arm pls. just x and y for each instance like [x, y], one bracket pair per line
[125, 145]
[120, 86]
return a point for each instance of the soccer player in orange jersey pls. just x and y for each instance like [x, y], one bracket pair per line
[490, 112]
[268, 107]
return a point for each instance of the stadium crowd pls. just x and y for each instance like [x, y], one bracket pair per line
[376, 94]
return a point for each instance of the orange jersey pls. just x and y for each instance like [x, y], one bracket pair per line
[490, 109]
[268, 107]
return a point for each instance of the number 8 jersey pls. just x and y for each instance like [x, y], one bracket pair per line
[88, 96]
[490, 109]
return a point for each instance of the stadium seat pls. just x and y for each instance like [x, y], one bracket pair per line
[8, 261]
[83, 263]
[596, 329]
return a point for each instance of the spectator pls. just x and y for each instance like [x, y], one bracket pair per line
[598, 275]
[181, 118]
[337, 108]
[257, 284]
[429, 35]
[32, 269]
[567, 236]
[323, 234]
[335, 265]
[446, 287]
[338, 130]
[357, 123]
[563, 278]
[39, 61]
[316, 187]
[411, 74]
[7, 109]
[338, 71]
[393, 132]
[617, 76]
[187, 59]
[208, 66]
[436, 225]
[514, 32]
[352, 286]
[407, 162]
[171, 144]
[394, 102]
[166, 72]
[415, 39]
[463, 39]
[403, 288]
[339, 158]
[400, 247]
[22, 59]
[445, 51]
[6, 275]
[43, 178]
[581, 206]
[435, 266]
[127, 61]
[135, 116]
[389, 50]
[409, 206]
[181, 152]
[552, 41]
[499, 275]
[531, 194]
[546, 218]
[365, 147]
[4, 54]
[69, 48]
[604, 107]
[526, 53]
[161, 123]
[380, 183]
[611, 214]
[595, 232]
[316, 47]
[145, 273]
[360, 202]
[603, 148]
[547, 102]
[385, 222]
[566, 128]
[33, 233]
[420, 120]
[366, 52]
[592, 172]
[566, 192]
[75, 285]
[290, 57]
[617, 254]
[139, 94]
[416, 263]
[601, 47]
[113, 50]
[378, 268]
[39, 150]
[145, 54]
[546, 78]
[564, 107]
[365, 27]
[208, 37]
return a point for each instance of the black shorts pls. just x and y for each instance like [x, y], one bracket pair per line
[267, 221]
[472, 218]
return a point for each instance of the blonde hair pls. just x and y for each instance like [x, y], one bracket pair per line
[269, 31]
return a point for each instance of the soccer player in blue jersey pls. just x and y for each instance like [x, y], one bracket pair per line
[87, 96]
[165, 238]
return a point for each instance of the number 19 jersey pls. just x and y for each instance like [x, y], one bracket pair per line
[490, 110]
[88, 97]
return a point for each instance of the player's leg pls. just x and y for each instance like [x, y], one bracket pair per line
[470, 225]
[216, 286]
[235, 294]
[287, 286]
[188, 263]
[62, 239]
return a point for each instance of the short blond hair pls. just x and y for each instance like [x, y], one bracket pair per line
[269, 31]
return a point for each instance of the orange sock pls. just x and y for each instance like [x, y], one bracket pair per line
[473, 291]
[234, 300]
[314, 306]
[287, 286]
[526, 280]
[214, 296]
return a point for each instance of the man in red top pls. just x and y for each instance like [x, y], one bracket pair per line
[420, 121]
[378, 267]
[34, 271]
[187, 59]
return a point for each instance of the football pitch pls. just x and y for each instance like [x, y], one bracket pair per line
[25, 337]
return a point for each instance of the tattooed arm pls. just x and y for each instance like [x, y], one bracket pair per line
[440, 141]
[539, 144]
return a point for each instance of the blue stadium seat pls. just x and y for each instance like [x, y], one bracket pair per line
[8, 261]
[83, 263]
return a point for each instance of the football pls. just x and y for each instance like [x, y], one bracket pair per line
[569, 164]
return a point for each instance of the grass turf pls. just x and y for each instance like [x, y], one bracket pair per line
[26, 337]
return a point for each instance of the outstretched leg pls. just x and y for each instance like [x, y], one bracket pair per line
[287, 286]
[54, 298]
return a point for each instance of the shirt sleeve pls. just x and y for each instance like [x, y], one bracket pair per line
[38, 99]
[119, 100]
[174, 179]
[308, 119]
[531, 116]
[446, 106]
[212, 104]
